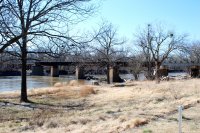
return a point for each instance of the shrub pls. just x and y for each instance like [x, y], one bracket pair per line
[86, 90]
[58, 84]
[137, 122]
[140, 122]
[76, 82]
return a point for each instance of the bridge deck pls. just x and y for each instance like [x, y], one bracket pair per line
[77, 63]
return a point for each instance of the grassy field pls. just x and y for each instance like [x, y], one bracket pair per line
[135, 107]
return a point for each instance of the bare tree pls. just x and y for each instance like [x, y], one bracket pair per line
[29, 23]
[194, 52]
[107, 45]
[136, 63]
[140, 37]
[158, 44]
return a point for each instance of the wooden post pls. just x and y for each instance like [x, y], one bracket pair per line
[180, 118]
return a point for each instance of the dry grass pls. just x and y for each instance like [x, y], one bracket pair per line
[76, 82]
[135, 107]
[70, 83]
[87, 90]
[137, 122]
[59, 84]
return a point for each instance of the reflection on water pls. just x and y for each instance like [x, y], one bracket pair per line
[174, 74]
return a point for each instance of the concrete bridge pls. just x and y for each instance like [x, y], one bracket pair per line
[38, 69]
[113, 69]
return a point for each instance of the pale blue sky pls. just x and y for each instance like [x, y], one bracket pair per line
[182, 16]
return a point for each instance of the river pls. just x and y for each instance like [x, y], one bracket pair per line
[13, 83]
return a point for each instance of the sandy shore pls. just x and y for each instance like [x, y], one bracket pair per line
[139, 107]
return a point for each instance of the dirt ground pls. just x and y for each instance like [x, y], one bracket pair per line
[132, 107]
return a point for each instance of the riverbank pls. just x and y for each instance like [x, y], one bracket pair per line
[138, 107]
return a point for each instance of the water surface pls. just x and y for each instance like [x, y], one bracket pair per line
[13, 83]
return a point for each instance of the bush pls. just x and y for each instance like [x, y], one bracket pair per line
[76, 82]
[140, 122]
[137, 122]
[86, 90]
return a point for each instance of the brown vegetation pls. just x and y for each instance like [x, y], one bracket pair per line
[86, 90]
[134, 107]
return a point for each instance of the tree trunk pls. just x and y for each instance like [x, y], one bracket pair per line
[157, 74]
[149, 77]
[23, 71]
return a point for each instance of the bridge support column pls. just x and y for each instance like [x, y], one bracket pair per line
[54, 71]
[163, 71]
[194, 71]
[80, 72]
[37, 70]
[114, 75]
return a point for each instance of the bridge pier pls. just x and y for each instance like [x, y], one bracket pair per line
[114, 75]
[55, 71]
[163, 71]
[80, 72]
[194, 71]
[37, 70]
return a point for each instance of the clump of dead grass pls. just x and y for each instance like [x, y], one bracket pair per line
[60, 84]
[86, 90]
[140, 122]
[44, 91]
[137, 122]
[76, 82]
